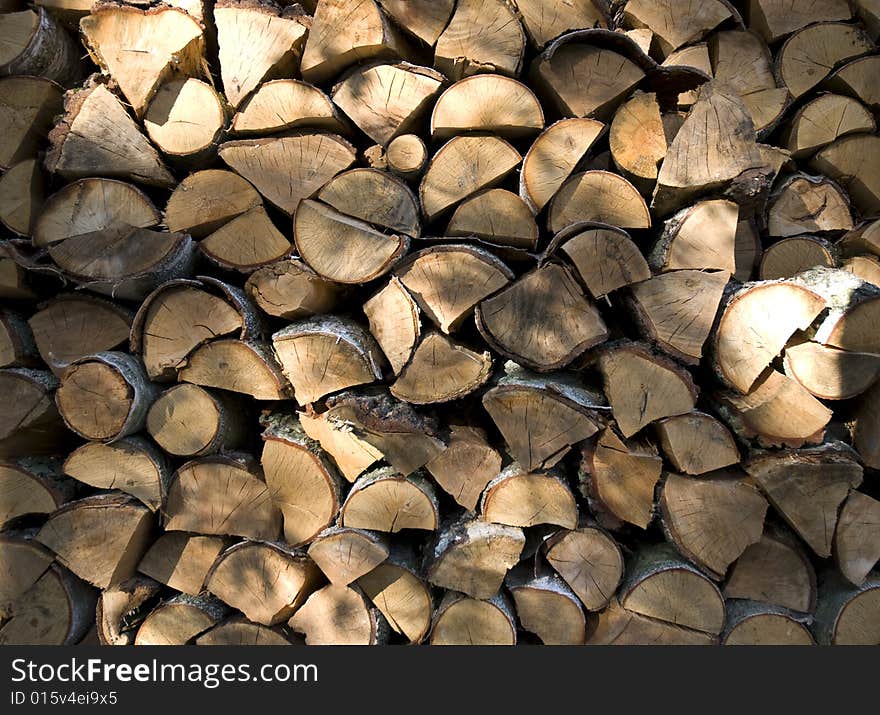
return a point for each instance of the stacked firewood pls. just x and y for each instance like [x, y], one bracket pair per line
[437, 321]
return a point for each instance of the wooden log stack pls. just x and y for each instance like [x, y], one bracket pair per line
[438, 321]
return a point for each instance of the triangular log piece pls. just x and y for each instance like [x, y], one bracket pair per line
[496, 216]
[290, 289]
[466, 466]
[346, 554]
[598, 196]
[589, 561]
[248, 367]
[518, 497]
[395, 322]
[547, 607]
[384, 500]
[285, 104]
[266, 243]
[340, 615]
[696, 443]
[857, 537]
[702, 236]
[206, 200]
[182, 561]
[28, 107]
[822, 120]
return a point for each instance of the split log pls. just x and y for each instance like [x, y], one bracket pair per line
[72, 326]
[97, 137]
[27, 112]
[105, 396]
[473, 556]
[695, 56]
[31, 424]
[386, 101]
[855, 79]
[589, 561]
[847, 615]
[241, 366]
[806, 204]
[757, 624]
[660, 584]
[395, 322]
[865, 267]
[223, 496]
[853, 307]
[518, 497]
[226, 248]
[206, 200]
[482, 36]
[376, 197]
[830, 373]
[257, 42]
[22, 192]
[673, 28]
[618, 478]
[385, 500]
[123, 607]
[498, 217]
[638, 139]
[279, 580]
[543, 24]
[141, 49]
[852, 162]
[341, 35]
[696, 443]
[32, 486]
[35, 44]
[184, 119]
[618, 626]
[339, 615]
[290, 289]
[543, 320]
[424, 19]
[542, 416]
[302, 482]
[807, 487]
[790, 256]
[643, 386]
[867, 427]
[547, 607]
[14, 281]
[132, 465]
[239, 631]
[179, 620]
[346, 554]
[747, 249]
[17, 346]
[466, 466]
[43, 602]
[712, 520]
[181, 561]
[286, 104]
[775, 19]
[857, 537]
[407, 156]
[598, 196]
[324, 355]
[823, 120]
[554, 156]
[100, 538]
[702, 236]
[460, 620]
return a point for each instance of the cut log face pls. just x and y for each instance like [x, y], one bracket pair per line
[498, 217]
[92, 205]
[206, 200]
[547, 607]
[487, 103]
[699, 237]
[17, 346]
[441, 371]
[543, 320]
[756, 624]
[466, 466]
[324, 355]
[618, 626]
[637, 139]
[867, 428]
[185, 118]
[713, 519]
[239, 631]
[279, 580]
[27, 113]
[671, 27]
[830, 373]
[806, 204]
[225, 247]
[589, 561]
[857, 537]
[466, 621]
[619, 477]
[141, 49]
[223, 497]
[339, 615]
[31, 487]
[237, 366]
[43, 603]
[543, 26]
[855, 79]
[790, 256]
[865, 267]
[302, 482]
[676, 310]
[807, 488]
[581, 80]
[31, 424]
[345, 555]
[822, 120]
[554, 156]
[473, 557]
[747, 249]
[100, 538]
[178, 621]
[854, 310]
[852, 162]
[598, 196]
[521, 498]
[661, 585]
[97, 137]
[384, 500]
[406, 156]
[288, 169]
[402, 597]
[387, 100]
[73, 326]
[286, 104]
[376, 197]
[22, 193]
[756, 323]
[696, 443]
[256, 42]
[340, 36]
[497, 46]
[290, 289]
[463, 166]
[808, 56]
[395, 322]
[121, 608]
[642, 386]
[774, 19]
[182, 561]
[34, 44]
[846, 615]
[541, 417]
[132, 465]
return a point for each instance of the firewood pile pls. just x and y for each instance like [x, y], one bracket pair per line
[424, 321]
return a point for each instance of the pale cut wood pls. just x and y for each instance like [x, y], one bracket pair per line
[401, 596]
[589, 561]
[865, 238]
[179, 620]
[290, 289]
[553, 156]
[97, 137]
[122, 607]
[463, 166]
[847, 615]
[222, 495]
[206, 200]
[760, 625]
[395, 322]
[830, 373]
[141, 49]
[182, 561]
[857, 537]
[279, 580]
[302, 482]
[375, 197]
[637, 139]
[775, 19]
[807, 487]
[284, 104]
[324, 355]
[387, 100]
[793, 255]
[466, 466]
[351, 454]
[385, 500]
[805, 204]
[345, 554]
[100, 538]
[257, 42]
[31, 424]
[853, 309]
[267, 244]
[34, 44]
[287, 169]
[424, 19]
[867, 427]
[696, 443]
[496, 216]
[660, 584]
[852, 162]
[598, 196]
[460, 620]
[856, 80]
[865, 267]
[132, 464]
[28, 106]
[673, 28]
[32, 486]
[406, 156]
[339, 615]
[824, 119]
[518, 497]
[239, 631]
[545, 21]
[617, 626]
[238, 366]
[22, 192]
[701, 236]
[547, 607]
[185, 118]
